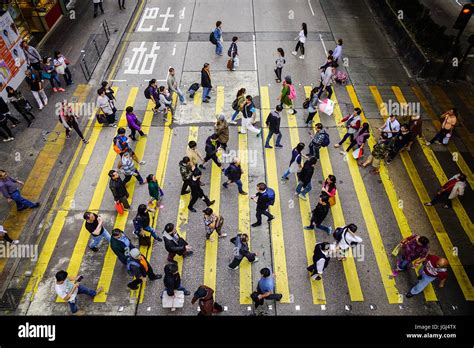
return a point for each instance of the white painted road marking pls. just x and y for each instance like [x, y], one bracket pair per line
[310, 7]
[179, 28]
[324, 46]
[254, 53]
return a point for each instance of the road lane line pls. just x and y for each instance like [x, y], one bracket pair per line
[446, 244]
[350, 270]
[458, 158]
[372, 228]
[402, 221]
[254, 52]
[463, 218]
[322, 43]
[310, 7]
[276, 226]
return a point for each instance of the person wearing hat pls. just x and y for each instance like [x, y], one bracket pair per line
[234, 173]
[119, 191]
[121, 245]
[320, 260]
[207, 305]
[434, 267]
[172, 280]
[6, 237]
[197, 192]
[140, 268]
[174, 244]
[221, 128]
[9, 190]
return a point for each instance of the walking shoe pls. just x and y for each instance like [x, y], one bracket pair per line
[55, 89]
[95, 249]
[394, 272]
[304, 198]
[446, 206]
[243, 193]
[279, 146]
[336, 145]
[330, 231]
[201, 167]
[256, 224]
[302, 56]
[225, 185]
[316, 277]
[185, 192]
[16, 241]
[309, 227]
[268, 147]
[192, 210]
[343, 153]
[232, 122]
[211, 203]
[79, 312]
[259, 133]
[85, 141]
[113, 125]
[159, 239]
[188, 253]
[208, 97]
[68, 136]
[61, 89]
[205, 101]
[389, 161]
[233, 268]
[8, 139]
[223, 235]
[409, 294]
[429, 204]
[271, 218]
[156, 277]
[294, 53]
[187, 293]
[142, 163]
[428, 143]
[419, 277]
[36, 205]
[256, 260]
[41, 108]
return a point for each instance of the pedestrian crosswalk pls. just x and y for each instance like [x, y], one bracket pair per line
[282, 254]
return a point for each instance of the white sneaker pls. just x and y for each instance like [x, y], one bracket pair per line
[294, 53]
[41, 108]
[232, 122]
[142, 163]
[8, 139]
[256, 260]
[16, 241]
[233, 268]
[427, 143]
[302, 56]
[223, 235]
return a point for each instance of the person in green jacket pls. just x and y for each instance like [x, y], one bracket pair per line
[121, 245]
[156, 193]
[284, 97]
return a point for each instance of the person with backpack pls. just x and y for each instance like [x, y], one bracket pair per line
[69, 120]
[352, 124]
[273, 124]
[320, 139]
[206, 83]
[37, 89]
[207, 305]
[312, 106]
[151, 92]
[414, 249]
[296, 162]
[194, 155]
[233, 53]
[304, 178]
[327, 79]
[121, 245]
[233, 173]
[329, 187]
[173, 86]
[174, 244]
[265, 288]
[121, 146]
[321, 259]
[360, 138]
[218, 38]
[95, 226]
[391, 127]
[453, 188]
[241, 250]
[434, 267]
[265, 197]
[197, 192]
[248, 112]
[133, 123]
[193, 89]
[213, 222]
[345, 238]
[279, 64]
[141, 223]
[172, 280]
[398, 142]
[212, 147]
[139, 268]
[21, 105]
[221, 128]
[238, 104]
[379, 152]
[302, 35]
[319, 213]
[119, 191]
[287, 94]
[186, 169]
[107, 107]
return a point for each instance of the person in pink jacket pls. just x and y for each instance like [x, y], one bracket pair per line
[133, 123]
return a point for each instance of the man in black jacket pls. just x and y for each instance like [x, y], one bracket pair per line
[119, 191]
[304, 178]
[263, 203]
[234, 173]
[206, 83]
[197, 192]
[172, 280]
[186, 170]
[140, 268]
[398, 142]
[273, 124]
[319, 213]
[211, 149]
[320, 260]
[174, 244]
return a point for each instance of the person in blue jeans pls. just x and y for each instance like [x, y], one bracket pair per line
[218, 36]
[9, 190]
[273, 124]
[69, 288]
[295, 162]
[95, 225]
[172, 280]
[206, 83]
[434, 267]
[233, 173]
[304, 178]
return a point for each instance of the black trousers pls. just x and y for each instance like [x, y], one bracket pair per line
[439, 136]
[185, 186]
[214, 158]
[25, 115]
[236, 261]
[195, 198]
[321, 90]
[75, 126]
[7, 238]
[278, 73]
[96, 7]
[124, 201]
[137, 281]
[344, 138]
[133, 132]
[310, 117]
[5, 127]
[442, 198]
[261, 212]
[121, 4]
[301, 46]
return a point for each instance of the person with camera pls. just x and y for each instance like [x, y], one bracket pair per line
[69, 287]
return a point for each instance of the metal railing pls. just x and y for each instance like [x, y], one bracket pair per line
[94, 50]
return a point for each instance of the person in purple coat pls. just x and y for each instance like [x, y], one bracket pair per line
[133, 123]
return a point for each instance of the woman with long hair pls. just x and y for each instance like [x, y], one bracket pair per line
[280, 62]
[239, 104]
[301, 40]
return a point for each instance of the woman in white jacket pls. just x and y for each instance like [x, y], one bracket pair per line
[301, 40]
[107, 107]
[345, 238]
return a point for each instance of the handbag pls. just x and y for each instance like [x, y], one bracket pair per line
[332, 200]
[229, 64]
[396, 250]
[446, 138]
[357, 153]
[119, 207]
[101, 118]
[144, 240]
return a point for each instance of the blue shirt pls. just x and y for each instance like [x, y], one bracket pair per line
[266, 284]
[217, 33]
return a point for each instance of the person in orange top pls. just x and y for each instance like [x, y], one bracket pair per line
[450, 119]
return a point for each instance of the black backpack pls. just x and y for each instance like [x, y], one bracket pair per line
[306, 103]
[338, 233]
[147, 93]
[212, 38]
[235, 104]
